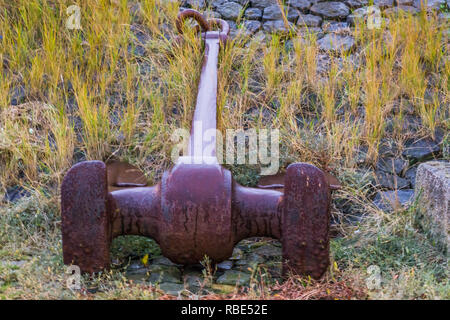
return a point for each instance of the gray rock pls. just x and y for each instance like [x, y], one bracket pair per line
[336, 43]
[234, 277]
[389, 200]
[309, 20]
[232, 25]
[334, 26]
[391, 165]
[216, 3]
[212, 14]
[429, 4]
[323, 62]
[201, 4]
[383, 3]
[421, 149]
[254, 258]
[388, 148]
[260, 36]
[404, 2]
[293, 14]
[275, 26]
[332, 10]
[234, 31]
[354, 4]
[304, 31]
[252, 26]
[139, 277]
[193, 279]
[15, 193]
[411, 123]
[162, 273]
[230, 10]
[225, 265]
[261, 4]
[237, 254]
[137, 272]
[397, 10]
[392, 182]
[269, 251]
[433, 197]
[410, 174]
[171, 288]
[136, 266]
[17, 95]
[253, 14]
[362, 14]
[302, 5]
[251, 260]
[137, 50]
[164, 261]
[359, 14]
[274, 13]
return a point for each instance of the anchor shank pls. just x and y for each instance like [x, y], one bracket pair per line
[202, 141]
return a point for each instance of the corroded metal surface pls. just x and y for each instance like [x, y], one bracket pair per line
[197, 209]
[305, 220]
[85, 219]
[196, 213]
[197, 16]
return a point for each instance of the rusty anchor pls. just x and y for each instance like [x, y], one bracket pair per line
[198, 209]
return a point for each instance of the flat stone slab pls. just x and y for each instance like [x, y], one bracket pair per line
[432, 193]
[276, 26]
[309, 20]
[390, 200]
[269, 251]
[173, 289]
[336, 43]
[421, 149]
[230, 10]
[331, 10]
[233, 277]
[162, 273]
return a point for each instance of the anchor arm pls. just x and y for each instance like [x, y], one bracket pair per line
[135, 211]
[256, 213]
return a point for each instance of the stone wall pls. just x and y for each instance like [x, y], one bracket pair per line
[317, 15]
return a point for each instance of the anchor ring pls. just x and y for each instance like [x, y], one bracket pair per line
[197, 16]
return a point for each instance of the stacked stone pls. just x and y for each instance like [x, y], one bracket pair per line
[329, 20]
[397, 175]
